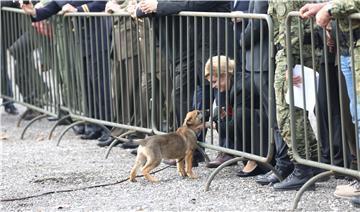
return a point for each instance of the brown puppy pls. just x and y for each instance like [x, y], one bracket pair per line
[178, 145]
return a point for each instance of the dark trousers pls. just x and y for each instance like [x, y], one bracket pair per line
[97, 86]
[335, 115]
[27, 77]
[281, 157]
[247, 136]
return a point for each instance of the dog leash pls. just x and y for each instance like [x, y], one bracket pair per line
[77, 189]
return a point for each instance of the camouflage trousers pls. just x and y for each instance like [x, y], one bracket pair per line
[304, 136]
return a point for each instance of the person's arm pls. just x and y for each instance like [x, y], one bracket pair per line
[341, 8]
[52, 8]
[174, 7]
[94, 6]
[166, 7]
[260, 7]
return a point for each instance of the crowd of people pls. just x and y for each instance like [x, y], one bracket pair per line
[247, 105]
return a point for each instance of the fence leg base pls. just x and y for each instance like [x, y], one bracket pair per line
[30, 123]
[218, 169]
[307, 185]
[117, 141]
[21, 118]
[68, 128]
[207, 159]
[57, 124]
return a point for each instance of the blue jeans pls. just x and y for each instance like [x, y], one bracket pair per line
[346, 70]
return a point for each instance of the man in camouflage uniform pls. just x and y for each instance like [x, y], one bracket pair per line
[278, 10]
[341, 9]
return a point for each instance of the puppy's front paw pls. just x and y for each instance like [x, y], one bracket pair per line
[182, 173]
[192, 175]
[132, 180]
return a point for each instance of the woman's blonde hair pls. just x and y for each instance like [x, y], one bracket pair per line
[225, 63]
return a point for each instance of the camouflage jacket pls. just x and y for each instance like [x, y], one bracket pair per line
[278, 10]
[343, 8]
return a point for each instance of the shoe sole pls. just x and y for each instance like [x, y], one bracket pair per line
[342, 197]
[266, 183]
[311, 188]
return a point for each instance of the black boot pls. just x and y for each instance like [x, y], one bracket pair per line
[11, 109]
[296, 179]
[104, 137]
[79, 129]
[107, 142]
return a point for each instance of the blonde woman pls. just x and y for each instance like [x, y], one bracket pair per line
[220, 72]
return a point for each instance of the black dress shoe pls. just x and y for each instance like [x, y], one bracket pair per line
[296, 179]
[104, 137]
[91, 136]
[79, 129]
[220, 159]
[129, 145]
[106, 142]
[133, 152]
[11, 109]
[271, 178]
[255, 172]
[267, 178]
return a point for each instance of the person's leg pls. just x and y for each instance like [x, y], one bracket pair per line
[303, 131]
[30, 83]
[329, 132]
[6, 86]
[347, 72]
[91, 131]
[283, 165]
[229, 141]
[20, 53]
[8, 103]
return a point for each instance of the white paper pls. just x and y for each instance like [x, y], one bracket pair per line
[310, 91]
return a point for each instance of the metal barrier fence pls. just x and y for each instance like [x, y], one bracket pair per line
[188, 41]
[144, 75]
[324, 94]
[160, 64]
[29, 69]
[179, 47]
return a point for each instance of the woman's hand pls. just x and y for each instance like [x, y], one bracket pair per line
[148, 6]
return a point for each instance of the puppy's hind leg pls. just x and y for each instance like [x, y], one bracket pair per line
[140, 160]
[150, 165]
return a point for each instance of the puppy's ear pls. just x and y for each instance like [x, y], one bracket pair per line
[188, 121]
